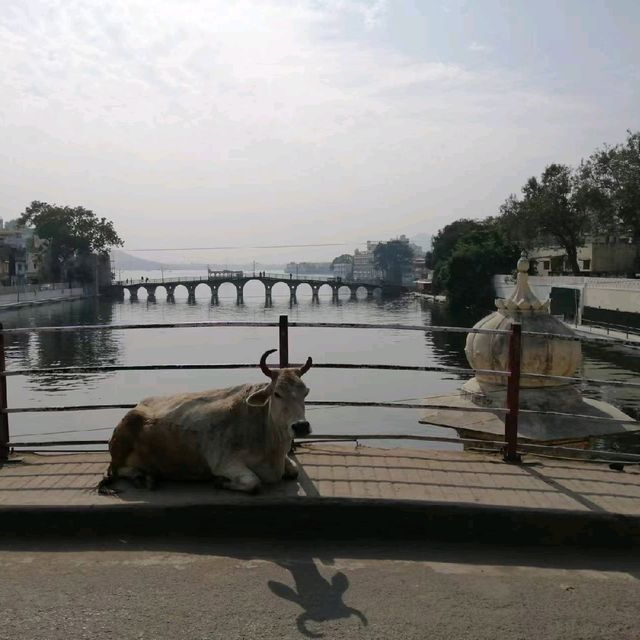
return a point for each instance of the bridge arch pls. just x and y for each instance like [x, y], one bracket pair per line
[343, 290]
[281, 288]
[227, 290]
[305, 290]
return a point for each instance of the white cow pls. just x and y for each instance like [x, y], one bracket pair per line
[240, 436]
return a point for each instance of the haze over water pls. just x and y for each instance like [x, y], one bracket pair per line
[245, 345]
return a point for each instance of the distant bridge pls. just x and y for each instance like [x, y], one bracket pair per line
[239, 279]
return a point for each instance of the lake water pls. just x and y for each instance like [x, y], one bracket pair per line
[237, 345]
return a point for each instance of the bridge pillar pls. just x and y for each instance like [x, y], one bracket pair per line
[170, 290]
[239, 294]
[133, 294]
[354, 293]
[191, 290]
[151, 293]
[334, 293]
[214, 294]
[292, 294]
[315, 293]
[369, 293]
[268, 300]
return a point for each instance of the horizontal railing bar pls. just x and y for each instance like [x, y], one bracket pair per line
[317, 403]
[88, 407]
[56, 443]
[170, 367]
[318, 325]
[344, 403]
[580, 454]
[404, 405]
[326, 365]
[498, 443]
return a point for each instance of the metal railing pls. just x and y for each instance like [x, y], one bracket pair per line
[610, 326]
[510, 445]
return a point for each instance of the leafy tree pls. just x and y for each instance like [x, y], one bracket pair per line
[557, 208]
[344, 258]
[445, 241]
[393, 258]
[611, 177]
[72, 233]
[467, 274]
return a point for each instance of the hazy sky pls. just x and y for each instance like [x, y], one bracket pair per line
[222, 122]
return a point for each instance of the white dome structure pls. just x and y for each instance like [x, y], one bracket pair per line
[555, 412]
[539, 354]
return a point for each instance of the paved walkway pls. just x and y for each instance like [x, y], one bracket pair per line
[351, 475]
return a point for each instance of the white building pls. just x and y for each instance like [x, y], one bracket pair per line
[343, 270]
[607, 255]
[363, 263]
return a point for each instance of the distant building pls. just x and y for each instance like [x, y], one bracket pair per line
[15, 261]
[343, 270]
[308, 268]
[600, 256]
[363, 263]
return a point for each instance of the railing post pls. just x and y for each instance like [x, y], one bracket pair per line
[4, 418]
[284, 341]
[510, 451]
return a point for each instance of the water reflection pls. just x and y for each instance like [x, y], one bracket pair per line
[217, 345]
[448, 348]
[63, 349]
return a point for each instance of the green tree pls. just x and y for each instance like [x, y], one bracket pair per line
[466, 276]
[556, 209]
[393, 258]
[445, 241]
[72, 233]
[344, 258]
[611, 178]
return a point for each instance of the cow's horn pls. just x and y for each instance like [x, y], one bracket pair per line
[305, 367]
[263, 364]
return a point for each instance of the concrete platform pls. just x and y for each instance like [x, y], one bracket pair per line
[342, 491]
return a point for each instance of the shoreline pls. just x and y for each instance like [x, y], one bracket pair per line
[34, 303]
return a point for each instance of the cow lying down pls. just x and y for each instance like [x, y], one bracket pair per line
[239, 436]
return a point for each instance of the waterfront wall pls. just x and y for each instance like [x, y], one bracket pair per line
[37, 294]
[619, 296]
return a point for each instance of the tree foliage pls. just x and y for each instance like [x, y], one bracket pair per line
[72, 233]
[344, 258]
[393, 258]
[555, 209]
[612, 177]
[466, 275]
[445, 241]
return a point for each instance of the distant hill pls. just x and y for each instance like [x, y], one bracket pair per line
[127, 262]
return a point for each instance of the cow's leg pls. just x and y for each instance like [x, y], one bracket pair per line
[238, 477]
[290, 469]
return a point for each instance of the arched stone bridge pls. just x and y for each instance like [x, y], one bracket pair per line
[238, 279]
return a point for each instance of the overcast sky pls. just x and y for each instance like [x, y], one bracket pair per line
[238, 123]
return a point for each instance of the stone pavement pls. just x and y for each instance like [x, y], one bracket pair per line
[441, 482]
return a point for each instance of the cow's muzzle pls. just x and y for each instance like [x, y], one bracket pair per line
[301, 428]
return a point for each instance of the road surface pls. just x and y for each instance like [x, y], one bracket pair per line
[200, 590]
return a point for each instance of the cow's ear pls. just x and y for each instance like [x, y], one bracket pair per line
[260, 398]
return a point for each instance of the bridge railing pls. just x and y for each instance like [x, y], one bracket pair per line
[510, 446]
[247, 275]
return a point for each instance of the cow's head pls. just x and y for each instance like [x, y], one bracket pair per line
[285, 396]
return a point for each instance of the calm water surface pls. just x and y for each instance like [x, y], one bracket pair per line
[220, 345]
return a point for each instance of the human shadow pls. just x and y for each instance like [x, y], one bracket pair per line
[320, 599]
